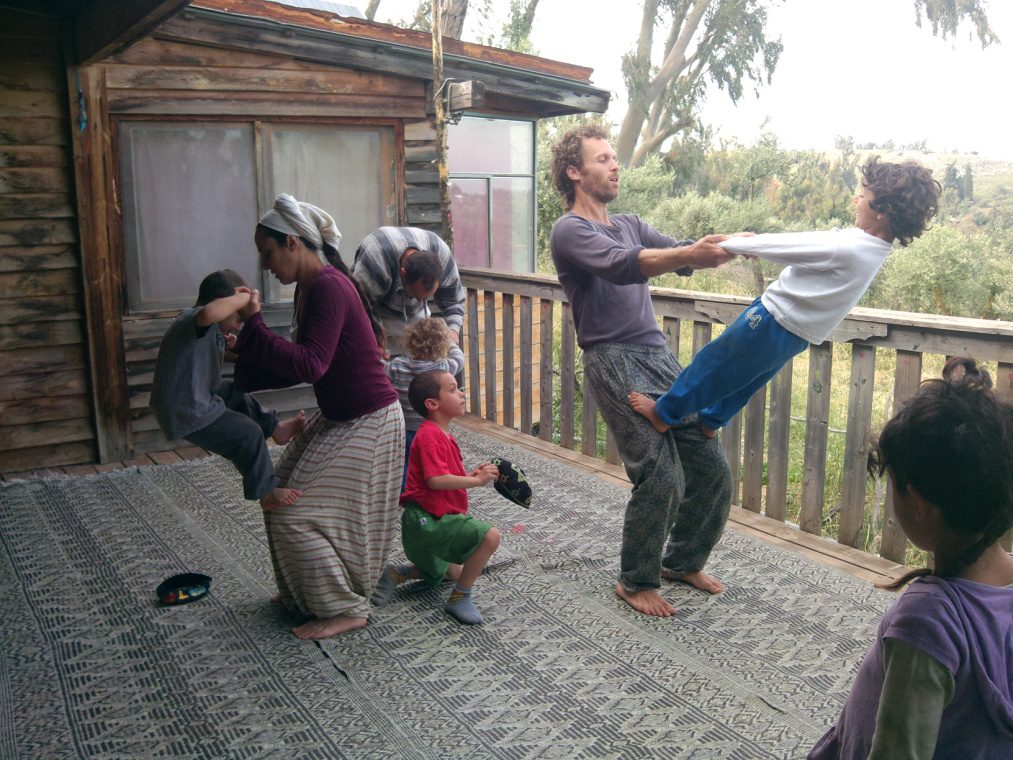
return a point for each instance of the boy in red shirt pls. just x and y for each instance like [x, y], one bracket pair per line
[440, 539]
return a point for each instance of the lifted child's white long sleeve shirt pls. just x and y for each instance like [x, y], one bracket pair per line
[828, 272]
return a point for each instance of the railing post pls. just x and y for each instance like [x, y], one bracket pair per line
[567, 379]
[508, 360]
[671, 327]
[906, 377]
[817, 421]
[752, 469]
[611, 448]
[856, 443]
[589, 421]
[545, 372]
[490, 355]
[1004, 387]
[701, 335]
[474, 367]
[527, 396]
[779, 437]
[731, 444]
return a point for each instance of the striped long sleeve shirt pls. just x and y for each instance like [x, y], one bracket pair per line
[403, 369]
[377, 270]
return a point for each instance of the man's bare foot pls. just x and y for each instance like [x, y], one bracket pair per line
[708, 432]
[645, 406]
[327, 627]
[280, 497]
[285, 431]
[647, 601]
[699, 580]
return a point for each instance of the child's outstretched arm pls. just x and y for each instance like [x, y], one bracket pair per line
[223, 308]
[807, 249]
[480, 476]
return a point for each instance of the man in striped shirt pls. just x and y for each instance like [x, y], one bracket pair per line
[400, 269]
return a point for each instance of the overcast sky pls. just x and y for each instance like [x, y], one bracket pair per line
[849, 67]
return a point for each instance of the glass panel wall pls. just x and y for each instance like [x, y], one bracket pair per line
[492, 181]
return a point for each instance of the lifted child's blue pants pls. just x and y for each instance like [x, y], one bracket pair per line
[730, 369]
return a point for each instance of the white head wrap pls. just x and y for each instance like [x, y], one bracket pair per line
[305, 220]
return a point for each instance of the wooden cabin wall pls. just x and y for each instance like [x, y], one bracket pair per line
[173, 79]
[45, 406]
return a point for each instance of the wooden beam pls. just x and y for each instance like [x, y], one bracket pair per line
[105, 27]
[464, 96]
[100, 266]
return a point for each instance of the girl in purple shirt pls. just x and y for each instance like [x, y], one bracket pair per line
[938, 681]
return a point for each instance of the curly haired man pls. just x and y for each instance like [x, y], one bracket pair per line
[681, 482]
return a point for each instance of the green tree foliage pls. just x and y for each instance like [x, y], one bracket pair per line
[946, 16]
[724, 42]
[949, 272]
[706, 41]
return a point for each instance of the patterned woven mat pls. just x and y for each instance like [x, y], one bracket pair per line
[91, 666]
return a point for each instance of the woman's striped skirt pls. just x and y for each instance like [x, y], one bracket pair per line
[329, 548]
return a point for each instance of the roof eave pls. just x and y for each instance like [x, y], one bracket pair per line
[548, 94]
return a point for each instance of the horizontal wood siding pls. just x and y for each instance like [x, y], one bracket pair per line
[45, 406]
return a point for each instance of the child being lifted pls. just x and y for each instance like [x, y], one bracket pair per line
[827, 274]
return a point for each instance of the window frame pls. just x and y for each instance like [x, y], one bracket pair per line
[488, 177]
[263, 181]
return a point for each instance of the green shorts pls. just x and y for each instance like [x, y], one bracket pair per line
[433, 543]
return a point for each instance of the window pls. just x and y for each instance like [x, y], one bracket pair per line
[492, 192]
[192, 196]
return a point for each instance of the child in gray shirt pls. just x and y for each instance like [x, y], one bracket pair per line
[190, 400]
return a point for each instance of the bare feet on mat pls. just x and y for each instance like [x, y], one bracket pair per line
[280, 497]
[645, 407]
[327, 627]
[648, 601]
[286, 430]
[699, 580]
[708, 432]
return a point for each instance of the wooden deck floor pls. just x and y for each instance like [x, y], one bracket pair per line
[845, 558]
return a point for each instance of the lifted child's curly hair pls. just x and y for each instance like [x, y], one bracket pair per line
[569, 151]
[905, 193]
[427, 339]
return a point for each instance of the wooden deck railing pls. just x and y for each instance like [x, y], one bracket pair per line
[518, 376]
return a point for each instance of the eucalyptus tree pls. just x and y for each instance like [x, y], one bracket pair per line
[726, 43]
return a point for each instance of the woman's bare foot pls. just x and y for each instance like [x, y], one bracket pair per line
[699, 580]
[647, 601]
[280, 497]
[285, 431]
[645, 406]
[327, 627]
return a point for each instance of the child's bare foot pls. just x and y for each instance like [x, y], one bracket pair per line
[645, 406]
[708, 432]
[286, 430]
[648, 601]
[326, 627]
[699, 580]
[280, 497]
